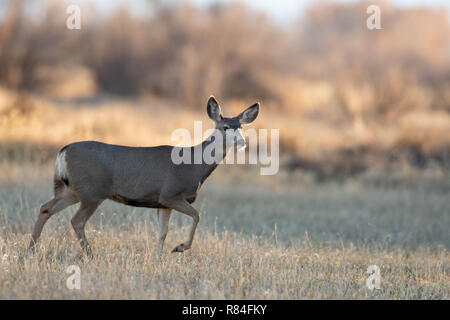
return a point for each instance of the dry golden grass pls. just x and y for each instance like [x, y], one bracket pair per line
[141, 122]
[221, 266]
[117, 121]
[272, 237]
[282, 237]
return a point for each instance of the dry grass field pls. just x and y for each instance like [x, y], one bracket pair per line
[287, 236]
[260, 237]
[364, 143]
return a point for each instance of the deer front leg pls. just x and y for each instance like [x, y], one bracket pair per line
[183, 206]
[163, 227]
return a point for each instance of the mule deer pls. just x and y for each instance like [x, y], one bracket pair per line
[90, 172]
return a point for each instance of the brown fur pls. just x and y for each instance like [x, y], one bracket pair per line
[142, 177]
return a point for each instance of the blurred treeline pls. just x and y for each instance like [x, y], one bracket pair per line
[325, 67]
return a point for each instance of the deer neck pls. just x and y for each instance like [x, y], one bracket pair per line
[220, 152]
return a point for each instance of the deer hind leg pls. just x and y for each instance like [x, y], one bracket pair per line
[163, 227]
[79, 220]
[183, 206]
[64, 197]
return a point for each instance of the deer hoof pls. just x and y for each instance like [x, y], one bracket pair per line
[180, 248]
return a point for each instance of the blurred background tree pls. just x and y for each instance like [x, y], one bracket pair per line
[325, 69]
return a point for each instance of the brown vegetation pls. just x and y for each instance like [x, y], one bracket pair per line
[330, 85]
[364, 119]
[260, 237]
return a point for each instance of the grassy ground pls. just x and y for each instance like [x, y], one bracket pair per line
[282, 237]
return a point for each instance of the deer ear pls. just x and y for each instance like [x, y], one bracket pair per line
[213, 109]
[249, 115]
